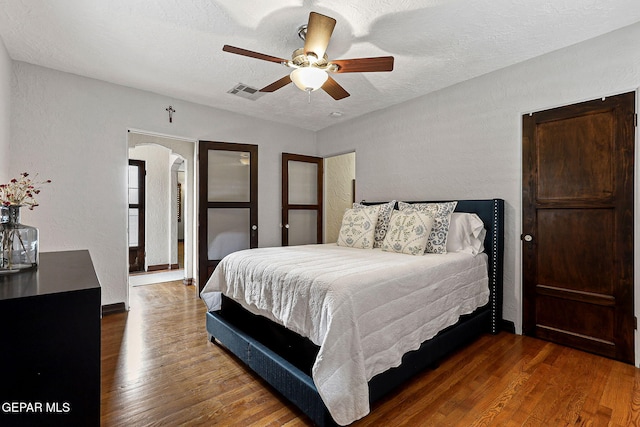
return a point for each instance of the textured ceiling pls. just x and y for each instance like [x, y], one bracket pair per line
[174, 47]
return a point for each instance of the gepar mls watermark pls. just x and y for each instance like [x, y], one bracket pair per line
[24, 407]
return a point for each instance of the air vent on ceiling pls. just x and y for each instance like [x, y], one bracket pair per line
[245, 91]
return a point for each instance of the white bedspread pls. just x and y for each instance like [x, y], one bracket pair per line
[364, 308]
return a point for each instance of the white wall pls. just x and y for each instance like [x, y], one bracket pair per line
[465, 141]
[5, 112]
[73, 130]
[460, 142]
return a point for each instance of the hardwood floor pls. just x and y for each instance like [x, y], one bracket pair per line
[159, 369]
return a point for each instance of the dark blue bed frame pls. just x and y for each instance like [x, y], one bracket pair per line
[259, 342]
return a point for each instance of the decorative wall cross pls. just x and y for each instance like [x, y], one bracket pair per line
[171, 111]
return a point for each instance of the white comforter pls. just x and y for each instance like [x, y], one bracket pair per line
[364, 308]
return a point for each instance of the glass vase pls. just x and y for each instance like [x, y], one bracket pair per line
[19, 242]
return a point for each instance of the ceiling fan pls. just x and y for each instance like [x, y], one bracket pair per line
[310, 63]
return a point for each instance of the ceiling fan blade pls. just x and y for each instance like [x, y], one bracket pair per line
[364, 65]
[319, 30]
[277, 84]
[251, 54]
[336, 91]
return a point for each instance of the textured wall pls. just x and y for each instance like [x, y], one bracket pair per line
[465, 141]
[460, 142]
[73, 130]
[5, 112]
[340, 171]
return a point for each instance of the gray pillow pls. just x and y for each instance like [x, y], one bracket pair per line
[384, 216]
[441, 212]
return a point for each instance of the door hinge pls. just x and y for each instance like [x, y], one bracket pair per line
[635, 323]
[635, 119]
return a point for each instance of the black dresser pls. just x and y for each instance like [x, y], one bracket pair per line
[50, 343]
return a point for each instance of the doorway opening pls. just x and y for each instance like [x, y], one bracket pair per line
[340, 191]
[167, 217]
[316, 192]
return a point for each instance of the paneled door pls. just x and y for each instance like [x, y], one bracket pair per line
[228, 202]
[578, 174]
[301, 199]
[137, 174]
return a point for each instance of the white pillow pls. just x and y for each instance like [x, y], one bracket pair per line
[358, 227]
[384, 215]
[408, 232]
[441, 212]
[466, 233]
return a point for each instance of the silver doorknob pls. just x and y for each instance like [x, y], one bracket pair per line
[286, 226]
[528, 238]
[254, 227]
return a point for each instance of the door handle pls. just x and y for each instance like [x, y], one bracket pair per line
[286, 226]
[254, 227]
[527, 238]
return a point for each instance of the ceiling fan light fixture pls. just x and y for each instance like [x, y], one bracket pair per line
[309, 78]
[311, 63]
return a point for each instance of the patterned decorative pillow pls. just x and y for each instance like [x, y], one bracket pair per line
[358, 227]
[441, 212]
[384, 216]
[408, 232]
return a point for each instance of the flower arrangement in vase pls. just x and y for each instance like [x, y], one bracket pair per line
[18, 242]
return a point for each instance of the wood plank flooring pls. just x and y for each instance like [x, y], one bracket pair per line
[159, 369]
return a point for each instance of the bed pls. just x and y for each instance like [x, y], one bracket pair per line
[334, 362]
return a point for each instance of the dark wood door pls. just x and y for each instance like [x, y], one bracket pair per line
[302, 188]
[578, 167]
[228, 202]
[137, 174]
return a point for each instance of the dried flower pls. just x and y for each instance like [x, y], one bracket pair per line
[21, 191]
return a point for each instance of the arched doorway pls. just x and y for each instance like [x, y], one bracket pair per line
[170, 180]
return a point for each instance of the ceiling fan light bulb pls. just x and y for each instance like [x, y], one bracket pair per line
[309, 78]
